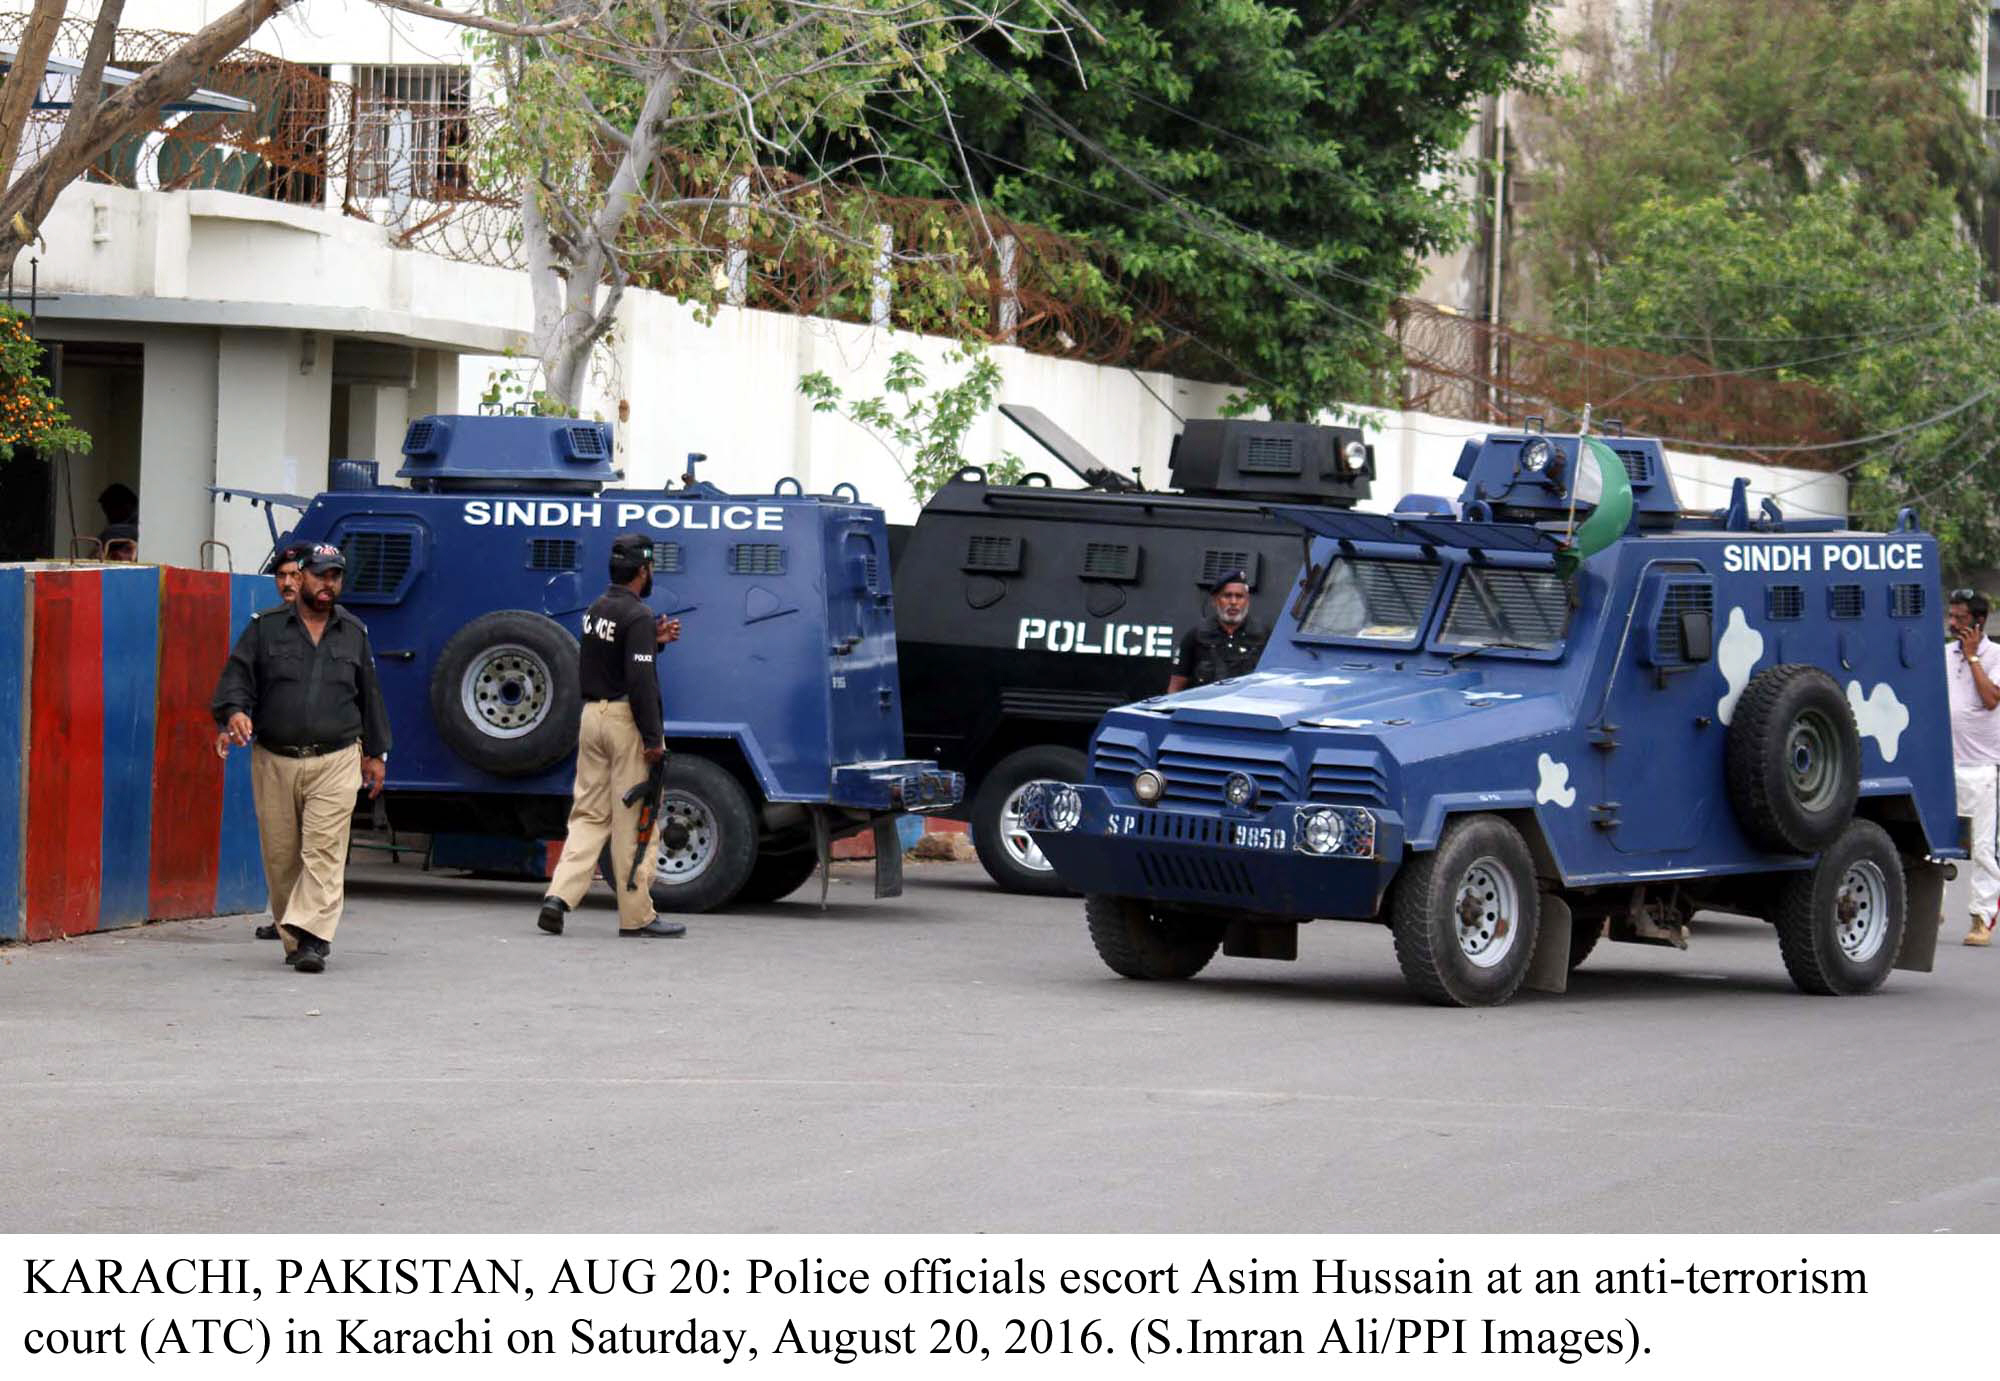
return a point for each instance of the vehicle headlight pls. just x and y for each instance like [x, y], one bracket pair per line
[1239, 790]
[1535, 455]
[1355, 454]
[1334, 831]
[1149, 786]
[1065, 807]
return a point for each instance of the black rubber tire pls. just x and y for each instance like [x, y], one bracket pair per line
[1763, 787]
[1044, 762]
[553, 738]
[1423, 915]
[776, 876]
[1807, 916]
[1583, 938]
[734, 846]
[1133, 942]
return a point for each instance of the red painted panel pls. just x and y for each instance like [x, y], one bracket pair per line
[187, 776]
[65, 755]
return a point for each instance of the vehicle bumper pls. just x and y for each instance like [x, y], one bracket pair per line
[1170, 854]
[912, 785]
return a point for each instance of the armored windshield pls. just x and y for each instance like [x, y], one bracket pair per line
[1371, 600]
[1496, 607]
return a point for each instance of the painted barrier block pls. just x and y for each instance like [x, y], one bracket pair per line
[13, 763]
[129, 597]
[65, 752]
[187, 775]
[239, 883]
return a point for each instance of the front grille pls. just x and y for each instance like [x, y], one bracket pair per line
[1224, 877]
[1193, 775]
[1120, 753]
[1178, 828]
[1348, 779]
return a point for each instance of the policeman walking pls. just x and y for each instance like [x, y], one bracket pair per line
[1228, 642]
[301, 683]
[619, 742]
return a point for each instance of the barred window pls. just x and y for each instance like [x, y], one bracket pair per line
[411, 132]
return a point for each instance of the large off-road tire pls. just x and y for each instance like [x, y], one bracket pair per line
[1135, 942]
[504, 693]
[1009, 855]
[1466, 915]
[1840, 923]
[776, 876]
[706, 837]
[1794, 759]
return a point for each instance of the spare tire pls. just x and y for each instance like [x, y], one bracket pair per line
[1793, 759]
[504, 693]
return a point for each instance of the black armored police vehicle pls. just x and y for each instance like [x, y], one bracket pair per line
[1024, 612]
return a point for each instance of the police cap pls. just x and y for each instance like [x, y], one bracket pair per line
[321, 558]
[1228, 578]
[634, 549]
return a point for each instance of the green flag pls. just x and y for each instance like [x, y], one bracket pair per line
[1607, 521]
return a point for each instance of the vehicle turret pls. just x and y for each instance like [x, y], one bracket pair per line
[552, 455]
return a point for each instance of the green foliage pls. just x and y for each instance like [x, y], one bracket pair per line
[924, 432]
[29, 414]
[1821, 287]
[1277, 169]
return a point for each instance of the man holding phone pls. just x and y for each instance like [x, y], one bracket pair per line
[1972, 669]
[620, 739]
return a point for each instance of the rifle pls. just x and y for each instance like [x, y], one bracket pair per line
[647, 796]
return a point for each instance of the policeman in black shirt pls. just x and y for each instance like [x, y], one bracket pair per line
[618, 742]
[301, 683]
[1227, 644]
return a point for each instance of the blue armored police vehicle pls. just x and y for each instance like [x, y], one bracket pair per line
[783, 714]
[1544, 719]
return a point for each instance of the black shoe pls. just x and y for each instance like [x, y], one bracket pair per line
[308, 953]
[659, 928]
[267, 932]
[551, 919]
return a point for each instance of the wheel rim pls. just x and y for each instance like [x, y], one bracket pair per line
[1487, 913]
[507, 691]
[1020, 846]
[686, 838]
[1861, 912]
[1812, 756]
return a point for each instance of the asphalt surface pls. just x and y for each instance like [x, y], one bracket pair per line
[959, 1060]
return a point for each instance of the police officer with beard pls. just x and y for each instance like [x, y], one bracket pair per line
[618, 742]
[1228, 642]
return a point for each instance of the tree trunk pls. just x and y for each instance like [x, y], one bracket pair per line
[17, 96]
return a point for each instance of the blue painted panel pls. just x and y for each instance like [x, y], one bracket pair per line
[130, 600]
[13, 755]
[239, 884]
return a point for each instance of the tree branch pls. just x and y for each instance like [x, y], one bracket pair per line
[17, 96]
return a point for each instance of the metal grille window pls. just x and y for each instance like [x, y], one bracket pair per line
[1216, 560]
[1526, 609]
[1270, 455]
[757, 558]
[586, 443]
[1686, 596]
[1785, 602]
[1906, 601]
[551, 554]
[1638, 464]
[377, 562]
[1370, 600]
[411, 133]
[666, 558]
[1110, 561]
[993, 554]
[1845, 601]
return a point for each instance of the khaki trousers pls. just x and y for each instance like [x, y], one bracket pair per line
[305, 809]
[610, 760]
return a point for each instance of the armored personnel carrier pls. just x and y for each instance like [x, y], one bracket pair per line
[1024, 612]
[1505, 746]
[782, 711]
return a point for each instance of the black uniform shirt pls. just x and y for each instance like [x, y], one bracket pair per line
[1212, 653]
[302, 694]
[617, 663]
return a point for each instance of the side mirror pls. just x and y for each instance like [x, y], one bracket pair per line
[1697, 634]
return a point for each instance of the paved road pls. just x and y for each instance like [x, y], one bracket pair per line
[960, 1060]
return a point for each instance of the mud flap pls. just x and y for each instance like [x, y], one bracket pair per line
[1548, 970]
[888, 858]
[1923, 913]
